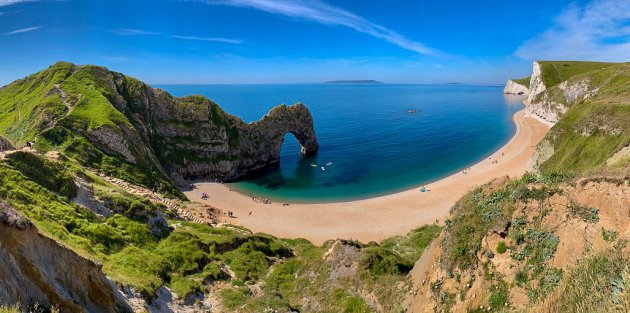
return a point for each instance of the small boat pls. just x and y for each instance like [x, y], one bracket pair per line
[323, 169]
[313, 165]
[329, 163]
[411, 111]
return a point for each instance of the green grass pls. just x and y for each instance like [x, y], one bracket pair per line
[499, 296]
[523, 81]
[580, 153]
[94, 108]
[192, 255]
[471, 218]
[555, 72]
[501, 247]
[27, 105]
[413, 244]
[591, 131]
[47, 173]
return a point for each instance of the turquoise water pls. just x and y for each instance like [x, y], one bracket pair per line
[375, 145]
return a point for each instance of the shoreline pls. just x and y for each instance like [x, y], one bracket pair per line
[377, 218]
[401, 190]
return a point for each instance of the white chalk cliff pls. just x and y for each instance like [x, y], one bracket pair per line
[514, 88]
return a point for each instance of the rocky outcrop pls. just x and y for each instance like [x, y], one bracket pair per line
[550, 103]
[37, 269]
[185, 138]
[5, 145]
[194, 138]
[536, 84]
[514, 88]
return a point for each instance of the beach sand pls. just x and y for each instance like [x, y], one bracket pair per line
[375, 219]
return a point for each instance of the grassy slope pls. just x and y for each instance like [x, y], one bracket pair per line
[584, 138]
[523, 81]
[27, 104]
[591, 131]
[193, 254]
[555, 72]
[32, 107]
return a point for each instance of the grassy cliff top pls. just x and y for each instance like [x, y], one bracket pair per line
[555, 72]
[523, 81]
[592, 130]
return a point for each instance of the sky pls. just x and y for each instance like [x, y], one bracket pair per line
[307, 41]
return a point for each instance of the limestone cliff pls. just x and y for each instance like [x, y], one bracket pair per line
[132, 131]
[595, 95]
[514, 88]
[37, 269]
[536, 84]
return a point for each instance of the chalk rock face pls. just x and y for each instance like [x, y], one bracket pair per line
[552, 103]
[37, 269]
[514, 88]
[536, 84]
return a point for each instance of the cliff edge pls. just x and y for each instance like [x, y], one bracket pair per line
[37, 269]
[127, 129]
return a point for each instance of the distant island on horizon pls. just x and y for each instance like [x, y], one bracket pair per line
[362, 81]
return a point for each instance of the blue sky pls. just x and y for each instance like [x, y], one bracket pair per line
[283, 41]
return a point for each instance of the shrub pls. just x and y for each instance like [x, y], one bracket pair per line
[521, 278]
[499, 295]
[49, 174]
[589, 215]
[501, 247]
[380, 261]
[609, 235]
[103, 235]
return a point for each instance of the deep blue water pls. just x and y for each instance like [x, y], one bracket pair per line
[375, 146]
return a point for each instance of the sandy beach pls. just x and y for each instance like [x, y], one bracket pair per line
[376, 218]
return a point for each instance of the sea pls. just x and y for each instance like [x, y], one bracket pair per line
[375, 139]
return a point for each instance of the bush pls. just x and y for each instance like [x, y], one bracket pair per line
[589, 215]
[49, 174]
[247, 263]
[521, 278]
[103, 235]
[380, 261]
[501, 247]
[499, 295]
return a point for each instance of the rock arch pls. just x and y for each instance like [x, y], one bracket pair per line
[262, 140]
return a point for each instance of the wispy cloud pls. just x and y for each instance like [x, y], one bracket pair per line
[23, 30]
[597, 31]
[4, 3]
[321, 12]
[134, 32]
[212, 39]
